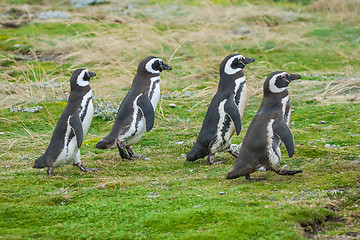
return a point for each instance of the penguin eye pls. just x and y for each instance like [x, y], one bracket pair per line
[283, 76]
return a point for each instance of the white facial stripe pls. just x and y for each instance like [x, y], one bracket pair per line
[149, 64]
[228, 69]
[272, 87]
[80, 79]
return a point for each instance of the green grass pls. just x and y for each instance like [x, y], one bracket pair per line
[166, 197]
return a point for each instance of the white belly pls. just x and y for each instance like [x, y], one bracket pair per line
[274, 156]
[137, 136]
[136, 130]
[155, 88]
[88, 118]
[70, 150]
[244, 97]
[89, 112]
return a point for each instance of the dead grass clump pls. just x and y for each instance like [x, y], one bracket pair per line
[337, 6]
[344, 90]
[31, 84]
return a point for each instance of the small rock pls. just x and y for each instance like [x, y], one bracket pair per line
[147, 159]
[221, 193]
[2, 133]
[172, 105]
[322, 122]
[241, 31]
[53, 15]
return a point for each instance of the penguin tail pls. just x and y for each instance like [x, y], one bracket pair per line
[41, 162]
[243, 167]
[195, 153]
[104, 144]
[234, 173]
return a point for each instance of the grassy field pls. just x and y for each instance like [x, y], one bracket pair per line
[165, 197]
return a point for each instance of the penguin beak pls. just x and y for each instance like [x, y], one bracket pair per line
[92, 74]
[248, 60]
[165, 66]
[293, 77]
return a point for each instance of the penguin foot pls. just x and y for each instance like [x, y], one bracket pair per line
[122, 152]
[234, 153]
[85, 169]
[132, 155]
[210, 159]
[288, 172]
[50, 170]
[247, 177]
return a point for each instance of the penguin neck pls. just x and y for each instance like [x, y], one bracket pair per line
[227, 82]
[144, 79]
[78, 93]
[271, 100]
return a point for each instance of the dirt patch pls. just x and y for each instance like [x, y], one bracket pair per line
[314, 226]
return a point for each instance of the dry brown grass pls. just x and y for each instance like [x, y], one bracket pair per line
[344, 10]
[193, 43]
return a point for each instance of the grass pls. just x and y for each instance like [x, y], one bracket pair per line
[166, 197]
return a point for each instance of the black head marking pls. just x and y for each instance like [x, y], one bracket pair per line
[81, 78]
[234, 63]
[277, 82]
[153, 65]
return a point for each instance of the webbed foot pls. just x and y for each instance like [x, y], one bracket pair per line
[234, 153]
[50, 170]
[122, 152]
[132, 155]
[85, 169]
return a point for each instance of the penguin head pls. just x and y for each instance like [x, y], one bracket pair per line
[153, 65]
[277, 82]
[81, 78]
[234, 63]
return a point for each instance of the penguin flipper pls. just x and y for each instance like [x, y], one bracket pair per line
[233, 112]
[76, 125]
[148, 111]
[283, 131]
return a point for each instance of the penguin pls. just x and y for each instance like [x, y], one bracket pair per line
[72, 127]
[136, 113]
[224, 114]
[268, 129]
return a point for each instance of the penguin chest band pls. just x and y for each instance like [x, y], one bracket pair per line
[273, 149]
